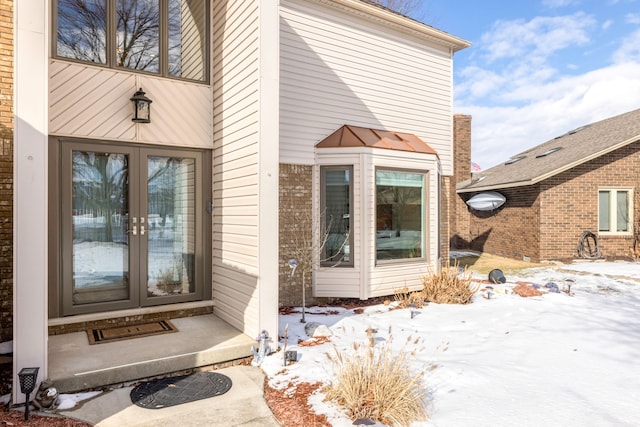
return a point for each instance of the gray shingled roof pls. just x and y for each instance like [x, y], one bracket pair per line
[573, 148]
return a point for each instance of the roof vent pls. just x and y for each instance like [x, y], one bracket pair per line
[549, 151]
[513, 160]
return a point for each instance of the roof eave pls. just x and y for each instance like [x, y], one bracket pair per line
[455, 43]
[549, 174]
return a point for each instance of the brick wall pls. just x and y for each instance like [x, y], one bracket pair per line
[6, 170]
[544, 222]
[459, 218]
[295, 231]
[570, 204]
[510, 231]
[445, 214]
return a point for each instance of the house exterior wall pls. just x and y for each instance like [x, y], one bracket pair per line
[510, 231]
[93, 102]
[569, 204]
[245, 165]
[382, 78]
[6, 170]
[544, 222]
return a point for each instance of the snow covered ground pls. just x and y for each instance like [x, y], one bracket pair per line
[552, 360]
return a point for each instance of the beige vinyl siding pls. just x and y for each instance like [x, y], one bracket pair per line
[236, 163]
[338, 68]
[88, 101]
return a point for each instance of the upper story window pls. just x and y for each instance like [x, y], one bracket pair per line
[614, 211]
[164, 37]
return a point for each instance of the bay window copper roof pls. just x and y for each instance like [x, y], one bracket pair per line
[355, 136]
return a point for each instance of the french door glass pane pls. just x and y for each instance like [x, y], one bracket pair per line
[100, 223]
[170, 225]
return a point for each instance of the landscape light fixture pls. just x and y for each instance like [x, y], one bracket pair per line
[141, 107]
[27, 377]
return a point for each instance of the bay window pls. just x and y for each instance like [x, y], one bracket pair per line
[400, 213]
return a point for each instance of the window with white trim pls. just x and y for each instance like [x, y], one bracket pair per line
[614, 211]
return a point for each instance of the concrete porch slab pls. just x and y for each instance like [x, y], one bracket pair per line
[200, 341]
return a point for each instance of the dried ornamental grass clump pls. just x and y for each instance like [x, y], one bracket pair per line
[376, 383]
[449, 286]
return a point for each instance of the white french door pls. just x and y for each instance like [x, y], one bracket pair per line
[131, 227]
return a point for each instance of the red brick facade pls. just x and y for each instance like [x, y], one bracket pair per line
[6, 170]
[458, 213]
[295, 231]
[544, 222]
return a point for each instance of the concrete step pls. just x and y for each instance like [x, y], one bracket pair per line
[201, 341]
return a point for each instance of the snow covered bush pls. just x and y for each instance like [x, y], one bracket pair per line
[372, 381]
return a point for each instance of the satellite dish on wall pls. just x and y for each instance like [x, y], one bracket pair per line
[486, 201]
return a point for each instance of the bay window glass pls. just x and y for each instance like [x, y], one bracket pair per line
[336, 216]
[400, 215]
[614, 211]
[164, 37]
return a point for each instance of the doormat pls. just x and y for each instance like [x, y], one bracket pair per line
[177, 390]
[103, 335]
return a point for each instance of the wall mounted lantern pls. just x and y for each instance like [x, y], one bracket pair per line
[27, 377]
[141, 107]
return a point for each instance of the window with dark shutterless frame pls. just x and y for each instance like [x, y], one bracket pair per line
[162, 37]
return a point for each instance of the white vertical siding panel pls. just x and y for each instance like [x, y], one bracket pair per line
[235, 165]
[339, 69]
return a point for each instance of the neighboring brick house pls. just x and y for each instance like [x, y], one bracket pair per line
[586, 180]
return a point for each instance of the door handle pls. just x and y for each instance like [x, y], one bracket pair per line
[134, 228]
[142, 226]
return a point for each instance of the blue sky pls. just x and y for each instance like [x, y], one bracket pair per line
[537, 69]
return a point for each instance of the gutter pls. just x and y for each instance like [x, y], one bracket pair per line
[373, 10]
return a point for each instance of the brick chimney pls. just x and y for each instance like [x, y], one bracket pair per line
[459, 216]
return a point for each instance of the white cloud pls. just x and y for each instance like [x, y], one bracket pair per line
[632, 18]
[629, 49]
[553, 4]
[518, 99]
[538, 38]
[500, 132]
[606, 24]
